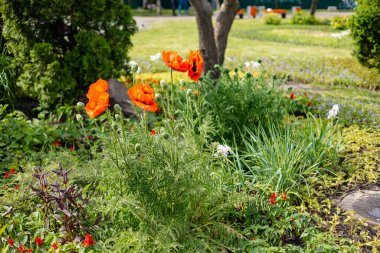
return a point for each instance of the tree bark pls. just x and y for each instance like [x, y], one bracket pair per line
[213, 43]
[226, 16]
[207, 44]
[145, 4]
[313, 7]
[158, 4]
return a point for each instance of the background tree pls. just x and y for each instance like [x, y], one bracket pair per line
[213, 42]
[60, 47]
[365, 31]
[313, 7]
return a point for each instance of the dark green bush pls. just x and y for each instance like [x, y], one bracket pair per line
[366, 34]
[60, 47]
[307, 19]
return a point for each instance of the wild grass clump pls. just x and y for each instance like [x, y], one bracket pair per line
[272, 19]
[286, 159]
[236, 102]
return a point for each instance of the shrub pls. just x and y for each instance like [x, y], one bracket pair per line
[365, 32]
[304, 19]
[61, 47]
[272, 19]
[340, 23]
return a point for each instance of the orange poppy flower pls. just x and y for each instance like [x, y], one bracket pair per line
[175, 61]
[142, 95]
[98, 98]
[196, 65]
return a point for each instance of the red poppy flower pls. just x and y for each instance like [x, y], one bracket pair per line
[196, 65]
[7, 175]
[57, 143]
[308, 103]
[292, 96]
[153, 132]
[142, 95]
[54, 246]
[30, 250]
[21, 249]
[98, 98]
[17, 186]
[88, 241]
[272, 199]
[175, 61]
[11, 242]
[12, 171]
[284, 196]
[39, 241]
[72, 147]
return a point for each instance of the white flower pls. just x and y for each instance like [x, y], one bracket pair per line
[155, 57]
[333, 112]
[223, 150]
[256, 65]
[247, 64]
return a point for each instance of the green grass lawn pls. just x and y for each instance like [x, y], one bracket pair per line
[308, 54]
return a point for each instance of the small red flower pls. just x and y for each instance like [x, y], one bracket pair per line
[39, 241]
[88, 241]
[7, 175]
[308, 103]
[54, 246]
[72, 147]
[272, 199]
[21, 249]
[57, 143]
[153, 132]
[11, 242]
[284, 196]
[17, 186]
[12, 171]
[292, 96]
[30, 250]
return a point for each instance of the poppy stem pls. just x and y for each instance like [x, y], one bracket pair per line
[171, 93]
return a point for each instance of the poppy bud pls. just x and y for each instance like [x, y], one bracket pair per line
[115, 126]
[137, 147]
[226, 71]
[259, 61]
[117, 108]
[182, 82]
[134, 66]
[163, 84]
[79, 117]
[118, 117]
[248, 75]
[158, 97]
[107, 125]
[217, 67]
[80, 106]
[236, 70]
[189, 92]
[165, 135]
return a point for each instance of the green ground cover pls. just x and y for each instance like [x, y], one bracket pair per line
[246, 163]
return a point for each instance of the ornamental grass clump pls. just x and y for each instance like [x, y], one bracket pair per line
[236, 102]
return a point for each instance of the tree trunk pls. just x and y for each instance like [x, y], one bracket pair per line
[313, 7]
[158, 4]
[226, 16]
[207, 45]
[213, 43]
[145, 4]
